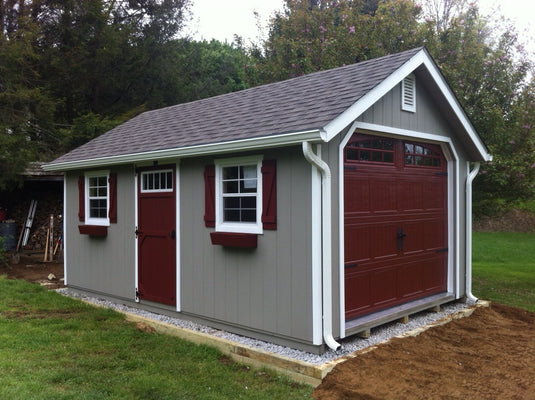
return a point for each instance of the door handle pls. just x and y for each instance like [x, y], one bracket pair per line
[400, 236]
[173, 234]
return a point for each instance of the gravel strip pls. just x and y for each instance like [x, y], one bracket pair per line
[349, 345]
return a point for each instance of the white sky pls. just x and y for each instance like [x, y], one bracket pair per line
[221, 19]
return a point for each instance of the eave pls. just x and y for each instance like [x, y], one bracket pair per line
[287, 139]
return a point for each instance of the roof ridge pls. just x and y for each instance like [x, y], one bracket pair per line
[266, 86]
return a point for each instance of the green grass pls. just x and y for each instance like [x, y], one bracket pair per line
[54, 347]
[504, 268]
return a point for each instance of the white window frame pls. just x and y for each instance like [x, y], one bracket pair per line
[238, 227]
[408, 90]
[159, 171]
[97, 221]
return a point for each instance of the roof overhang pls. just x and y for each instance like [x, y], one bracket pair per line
[420, 59]
[286, 139]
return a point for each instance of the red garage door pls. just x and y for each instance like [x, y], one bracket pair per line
[395, 223]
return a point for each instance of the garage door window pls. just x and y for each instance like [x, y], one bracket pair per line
[419, 155]
[373, 150]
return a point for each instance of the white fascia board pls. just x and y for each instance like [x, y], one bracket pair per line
[286, 139]
[334, 127]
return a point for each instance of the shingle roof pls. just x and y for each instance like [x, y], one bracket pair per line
[295, 105]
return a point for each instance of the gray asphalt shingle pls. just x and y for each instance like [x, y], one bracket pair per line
[299, 104]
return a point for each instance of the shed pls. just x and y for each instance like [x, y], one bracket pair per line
[298, 212]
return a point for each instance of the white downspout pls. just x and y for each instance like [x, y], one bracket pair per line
[469, 179]
[326, 243]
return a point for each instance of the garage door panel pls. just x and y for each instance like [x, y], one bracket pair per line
[358, 239]
[357, 294]
[435, 234]
[357, 195]
[383, 196]
[383, 241]
[383, 286]
[410, 195]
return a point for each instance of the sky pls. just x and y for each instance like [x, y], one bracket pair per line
[221, 19]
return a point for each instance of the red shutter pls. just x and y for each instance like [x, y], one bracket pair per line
[81, 198]
[112, 212]
[269, 189]
[209, 196]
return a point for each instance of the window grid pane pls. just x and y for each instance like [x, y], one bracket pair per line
[419, 155]
[98, 196]
[239, 187]
[157, 181]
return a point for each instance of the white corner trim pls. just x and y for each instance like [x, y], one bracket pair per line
[136, 249]
[317, 320]
[65, 217]
[341, 229]
[178, 236]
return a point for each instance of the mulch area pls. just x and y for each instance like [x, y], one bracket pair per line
[489, 355]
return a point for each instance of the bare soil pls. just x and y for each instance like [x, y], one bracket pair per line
[489, 355]
[33, 269]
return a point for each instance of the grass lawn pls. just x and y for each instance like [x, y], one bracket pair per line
[54, 347]
[504, 268]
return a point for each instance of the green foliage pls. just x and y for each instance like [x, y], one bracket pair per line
[504, 268]
[54, 347]
[323, 34]
[3, 252]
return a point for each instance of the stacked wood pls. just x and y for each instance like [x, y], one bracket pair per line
[49, 202]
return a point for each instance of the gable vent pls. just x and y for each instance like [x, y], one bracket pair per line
[408, 94]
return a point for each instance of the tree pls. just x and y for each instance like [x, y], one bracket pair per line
[26, 108]
[321, 34]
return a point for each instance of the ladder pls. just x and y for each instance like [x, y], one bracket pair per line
[29, 222]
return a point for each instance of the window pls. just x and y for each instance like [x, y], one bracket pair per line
[408, 94]
[239, 195]
[418, 155]
[374, 150]
[157, 181]
[98, 208]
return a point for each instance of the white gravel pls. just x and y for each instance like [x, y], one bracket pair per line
[349, 345]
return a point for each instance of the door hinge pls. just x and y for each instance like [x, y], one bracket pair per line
[445, 249]
[137, 232]
[441, 173]
[138, 294]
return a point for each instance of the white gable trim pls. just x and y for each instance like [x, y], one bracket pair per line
[336, 126]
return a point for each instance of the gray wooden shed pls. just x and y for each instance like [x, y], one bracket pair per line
[298, 212]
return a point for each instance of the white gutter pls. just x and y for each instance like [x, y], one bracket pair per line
[323, 168]
[286, 139]
[470, 175]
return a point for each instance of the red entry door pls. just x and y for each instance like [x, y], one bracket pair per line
[156, 235]
[396, 242]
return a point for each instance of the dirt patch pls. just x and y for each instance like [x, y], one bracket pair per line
[489, 355]
[512, 221]
[33, 269]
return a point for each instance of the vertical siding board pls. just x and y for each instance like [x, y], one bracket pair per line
[267, 288]
[103, 264]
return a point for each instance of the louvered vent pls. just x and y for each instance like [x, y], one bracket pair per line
[408, 94]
